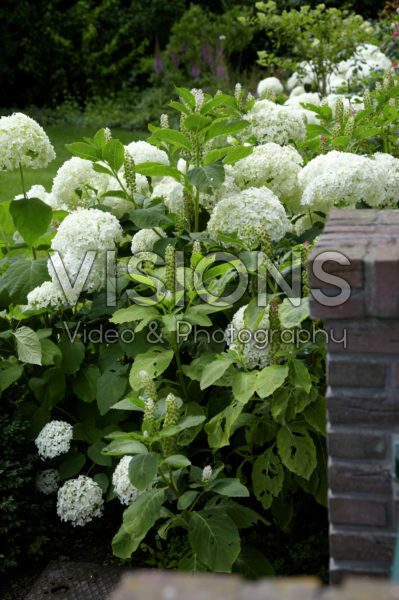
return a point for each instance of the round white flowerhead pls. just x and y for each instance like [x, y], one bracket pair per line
[270, 83]
[142, 152]
[23, 142]
[144, 240]
[80, 232]
[125, 491]
[54, 439]
[252, 345]
[295, 102]
[171, 191]
[79, 501]
[254, 206]
[44, 296]
[270, 122]
[273, 166]
[38, 191]
[77, 184]
[47, 482]
[341, 179]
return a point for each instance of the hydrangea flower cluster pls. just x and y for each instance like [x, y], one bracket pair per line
[270, 122]
[271, 84]
[79, 501]
[254, 206]
[38, 191]
[144, 240]
[77, 184]
[340, 179]
[366, 59]
[142, 152]
[273, 166]
[171, 191]
[54, 439]
[80, 232]
[47, 482]
[44, 296]
[23, 142]
[244, 342]
[296, 100]
[125, 491]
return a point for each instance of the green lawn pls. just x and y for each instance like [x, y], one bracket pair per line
[10, 183]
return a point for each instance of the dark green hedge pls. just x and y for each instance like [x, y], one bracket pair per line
[52, 49]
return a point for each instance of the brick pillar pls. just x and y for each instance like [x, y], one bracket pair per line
[363, 385]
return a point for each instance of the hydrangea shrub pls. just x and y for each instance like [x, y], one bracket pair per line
[156, 305]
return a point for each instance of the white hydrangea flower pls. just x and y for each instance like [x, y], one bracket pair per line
[253, 206]
[340, 179]
[366, 59]
[270, 83]
[295, 102]
[302, 77]
[270, 122]
[390, 167]
[47, 482]
[171, 191]
[272, 166]
[54, 439]
[77, 184]
[144, 240]
[38, 191]
[228, 187]
[297, 91]
[23, 142]
[79, 501]
[44, 296]
[206, 473]
[142, 152]
[252, 345]
[121, 206]
[81, 231]
[125, 491]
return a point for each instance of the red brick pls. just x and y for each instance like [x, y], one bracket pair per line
[353, 307]
[352, 373]
[354, 215]
[352, 273]
[385, 283]
[352, 443]
[363, 337]
[347, 477]
[357, 511]
[388, 217]
[357, 546]
[351, 407]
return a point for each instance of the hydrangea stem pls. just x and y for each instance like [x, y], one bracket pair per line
[22, 181]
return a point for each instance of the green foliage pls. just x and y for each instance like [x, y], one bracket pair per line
[373, 129]
[217, 448]
[322, 36]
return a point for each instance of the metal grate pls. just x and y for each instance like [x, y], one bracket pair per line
[75, 581]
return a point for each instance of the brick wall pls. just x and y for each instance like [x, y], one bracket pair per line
[363, 384]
